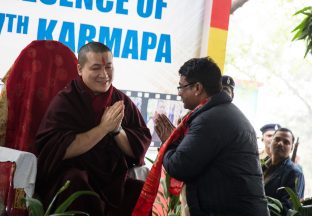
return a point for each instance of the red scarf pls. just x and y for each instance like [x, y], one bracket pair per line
[148, 194]
[99, 102]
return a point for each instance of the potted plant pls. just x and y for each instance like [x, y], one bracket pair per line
[35, 207]
[299, 208]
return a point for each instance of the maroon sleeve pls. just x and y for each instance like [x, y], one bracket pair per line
[65, 117]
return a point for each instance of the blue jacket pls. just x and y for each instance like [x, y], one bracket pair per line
[218, 160]
[284, 175]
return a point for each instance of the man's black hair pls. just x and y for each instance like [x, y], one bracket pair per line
[205, 71]
[282, 129]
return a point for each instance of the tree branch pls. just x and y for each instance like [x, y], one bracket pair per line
[237, 4]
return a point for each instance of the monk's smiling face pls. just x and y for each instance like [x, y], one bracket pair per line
[97, 73]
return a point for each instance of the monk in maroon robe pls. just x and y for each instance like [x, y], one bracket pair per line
[92, 134]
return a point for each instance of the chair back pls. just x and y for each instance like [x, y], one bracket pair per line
[41, 70]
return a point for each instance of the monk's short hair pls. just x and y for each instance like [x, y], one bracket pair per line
[93, 46]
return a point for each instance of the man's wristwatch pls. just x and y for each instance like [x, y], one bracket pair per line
[115, 132]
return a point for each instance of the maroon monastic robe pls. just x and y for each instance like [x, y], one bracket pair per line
[102, 169]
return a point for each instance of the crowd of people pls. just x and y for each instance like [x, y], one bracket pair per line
[93, 135]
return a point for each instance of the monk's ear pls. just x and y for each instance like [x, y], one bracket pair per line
[79, 69]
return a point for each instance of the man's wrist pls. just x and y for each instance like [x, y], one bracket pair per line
[116, 132]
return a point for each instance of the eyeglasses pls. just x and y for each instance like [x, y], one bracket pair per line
[184, 86]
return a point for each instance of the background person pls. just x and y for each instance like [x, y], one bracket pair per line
[267, 135]
[228, 85]
[280, 171]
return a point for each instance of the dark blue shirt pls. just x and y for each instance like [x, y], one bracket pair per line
[286, 174]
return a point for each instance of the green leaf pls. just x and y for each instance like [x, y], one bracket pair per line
[299, 28]
[162, 207]
[64, 214]
[161, 204]
[157, 197]
[64, 187]
[62, 208]
[303, 31]
[174, 202]
[303, 10]
[274, 208]
[292, 212]
[70, 213]
[178, 209]
[164, 185]
[155, 213]
[274, 213]
[293, 197]
[161, 194]
[167, 183]
[150, 160]
[35, 206]
[274, 201]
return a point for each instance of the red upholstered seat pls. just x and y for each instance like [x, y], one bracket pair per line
[6, 186]
[42, 69]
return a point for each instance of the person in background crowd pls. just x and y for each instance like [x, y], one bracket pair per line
[228, 85]
[280, 171]
[267, 134]
[92, 134]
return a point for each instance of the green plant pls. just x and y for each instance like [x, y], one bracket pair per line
[303, 31]
[275, 206]
[35, 206]
[170, 204]
[298, 208]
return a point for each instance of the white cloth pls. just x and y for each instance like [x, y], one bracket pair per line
[139, 172]
[26, 168]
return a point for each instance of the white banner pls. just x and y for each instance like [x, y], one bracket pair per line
[150, 39]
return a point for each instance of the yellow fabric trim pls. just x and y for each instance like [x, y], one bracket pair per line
[3, 115]
[3, 109]
[18, 201]
[4, 79]
[217, 46]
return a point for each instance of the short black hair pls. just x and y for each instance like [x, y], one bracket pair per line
[205, 71]
[282, 129]
[92, 46]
